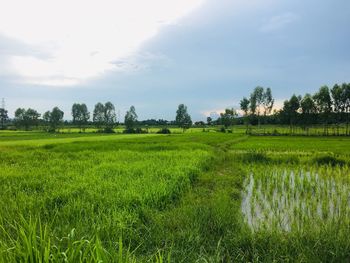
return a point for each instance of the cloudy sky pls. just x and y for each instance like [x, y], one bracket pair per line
[156, 54]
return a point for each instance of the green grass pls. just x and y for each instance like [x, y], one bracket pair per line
[159, 198]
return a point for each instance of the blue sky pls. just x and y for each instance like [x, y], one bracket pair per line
[204, 53]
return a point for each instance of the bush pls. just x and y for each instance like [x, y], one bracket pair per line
[328, 160]
[253, 157]
[108, 130]
[134, 131]
[164, 131]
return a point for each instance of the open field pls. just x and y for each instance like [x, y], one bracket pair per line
[198, 196]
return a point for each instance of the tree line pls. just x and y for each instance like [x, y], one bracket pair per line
[104, 118]
[325, 107]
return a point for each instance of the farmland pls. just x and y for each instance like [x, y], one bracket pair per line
[197, 196]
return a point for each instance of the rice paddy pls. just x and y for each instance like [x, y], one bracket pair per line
[193, 197]
[287, 200]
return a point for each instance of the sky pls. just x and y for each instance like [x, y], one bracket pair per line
[156, 54]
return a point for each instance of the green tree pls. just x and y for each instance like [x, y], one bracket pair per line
[209, 121]
[3, 118]
[267, 102]
[308, 110]
[257, 98]
[244, 104]
[110, 117]
[99, 115]
[346, 98]
[46, 119]
[104, 116]
[130, 119]
[324, 105]
[290, 111]
[183, 119]
[19, 117]
[56, 118]
[26, 118]
[338, 95]
[228, 117]
[80, 114]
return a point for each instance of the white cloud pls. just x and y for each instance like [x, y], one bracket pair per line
[82, 37]
[278, 22]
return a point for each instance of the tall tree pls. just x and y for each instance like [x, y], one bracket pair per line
[308, 110]
[3, 118]
[80, 114]
[244, 104]
[228, 117]
[267, 102]
[324, 105]
[209, 121]
[20, 117]
[56, 118]
[105, 116]
[346, 99]
[110, 117]
[290, 111]
[183, 119]
[257, 98]
[46, 119]
[130, 119]
[338, 95]
[99, 115]
[26, 118]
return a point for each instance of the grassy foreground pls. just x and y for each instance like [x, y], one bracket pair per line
[179, 198]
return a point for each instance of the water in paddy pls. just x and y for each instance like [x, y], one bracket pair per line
[286, 200]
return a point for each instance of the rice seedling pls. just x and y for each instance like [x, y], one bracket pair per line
[288, 199]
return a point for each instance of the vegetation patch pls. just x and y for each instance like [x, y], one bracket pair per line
[329, 159]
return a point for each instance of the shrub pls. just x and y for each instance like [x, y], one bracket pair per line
[328, 160]
[134, 131]
[164, 131]
[255, 157]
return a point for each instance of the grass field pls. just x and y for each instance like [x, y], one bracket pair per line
[193, 197]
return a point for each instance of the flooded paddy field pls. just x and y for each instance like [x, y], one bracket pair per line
[287, 199]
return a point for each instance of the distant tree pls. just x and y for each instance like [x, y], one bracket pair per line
[228, 117]
[56, 118]
[75, 112]
[267, 102]
[110, 117]
[308, 110]
[346, 99]
[209, 121]
[80, 115]
[3, 118]
[19, 117]
[324, 105]
[26, 118]
[99, 115]
[46, 119]
[130, 119]
[339, 102]
[257, 98]
[244, 104]
[252, 104]
[290, 111]
[183, 119]
[199, 123]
